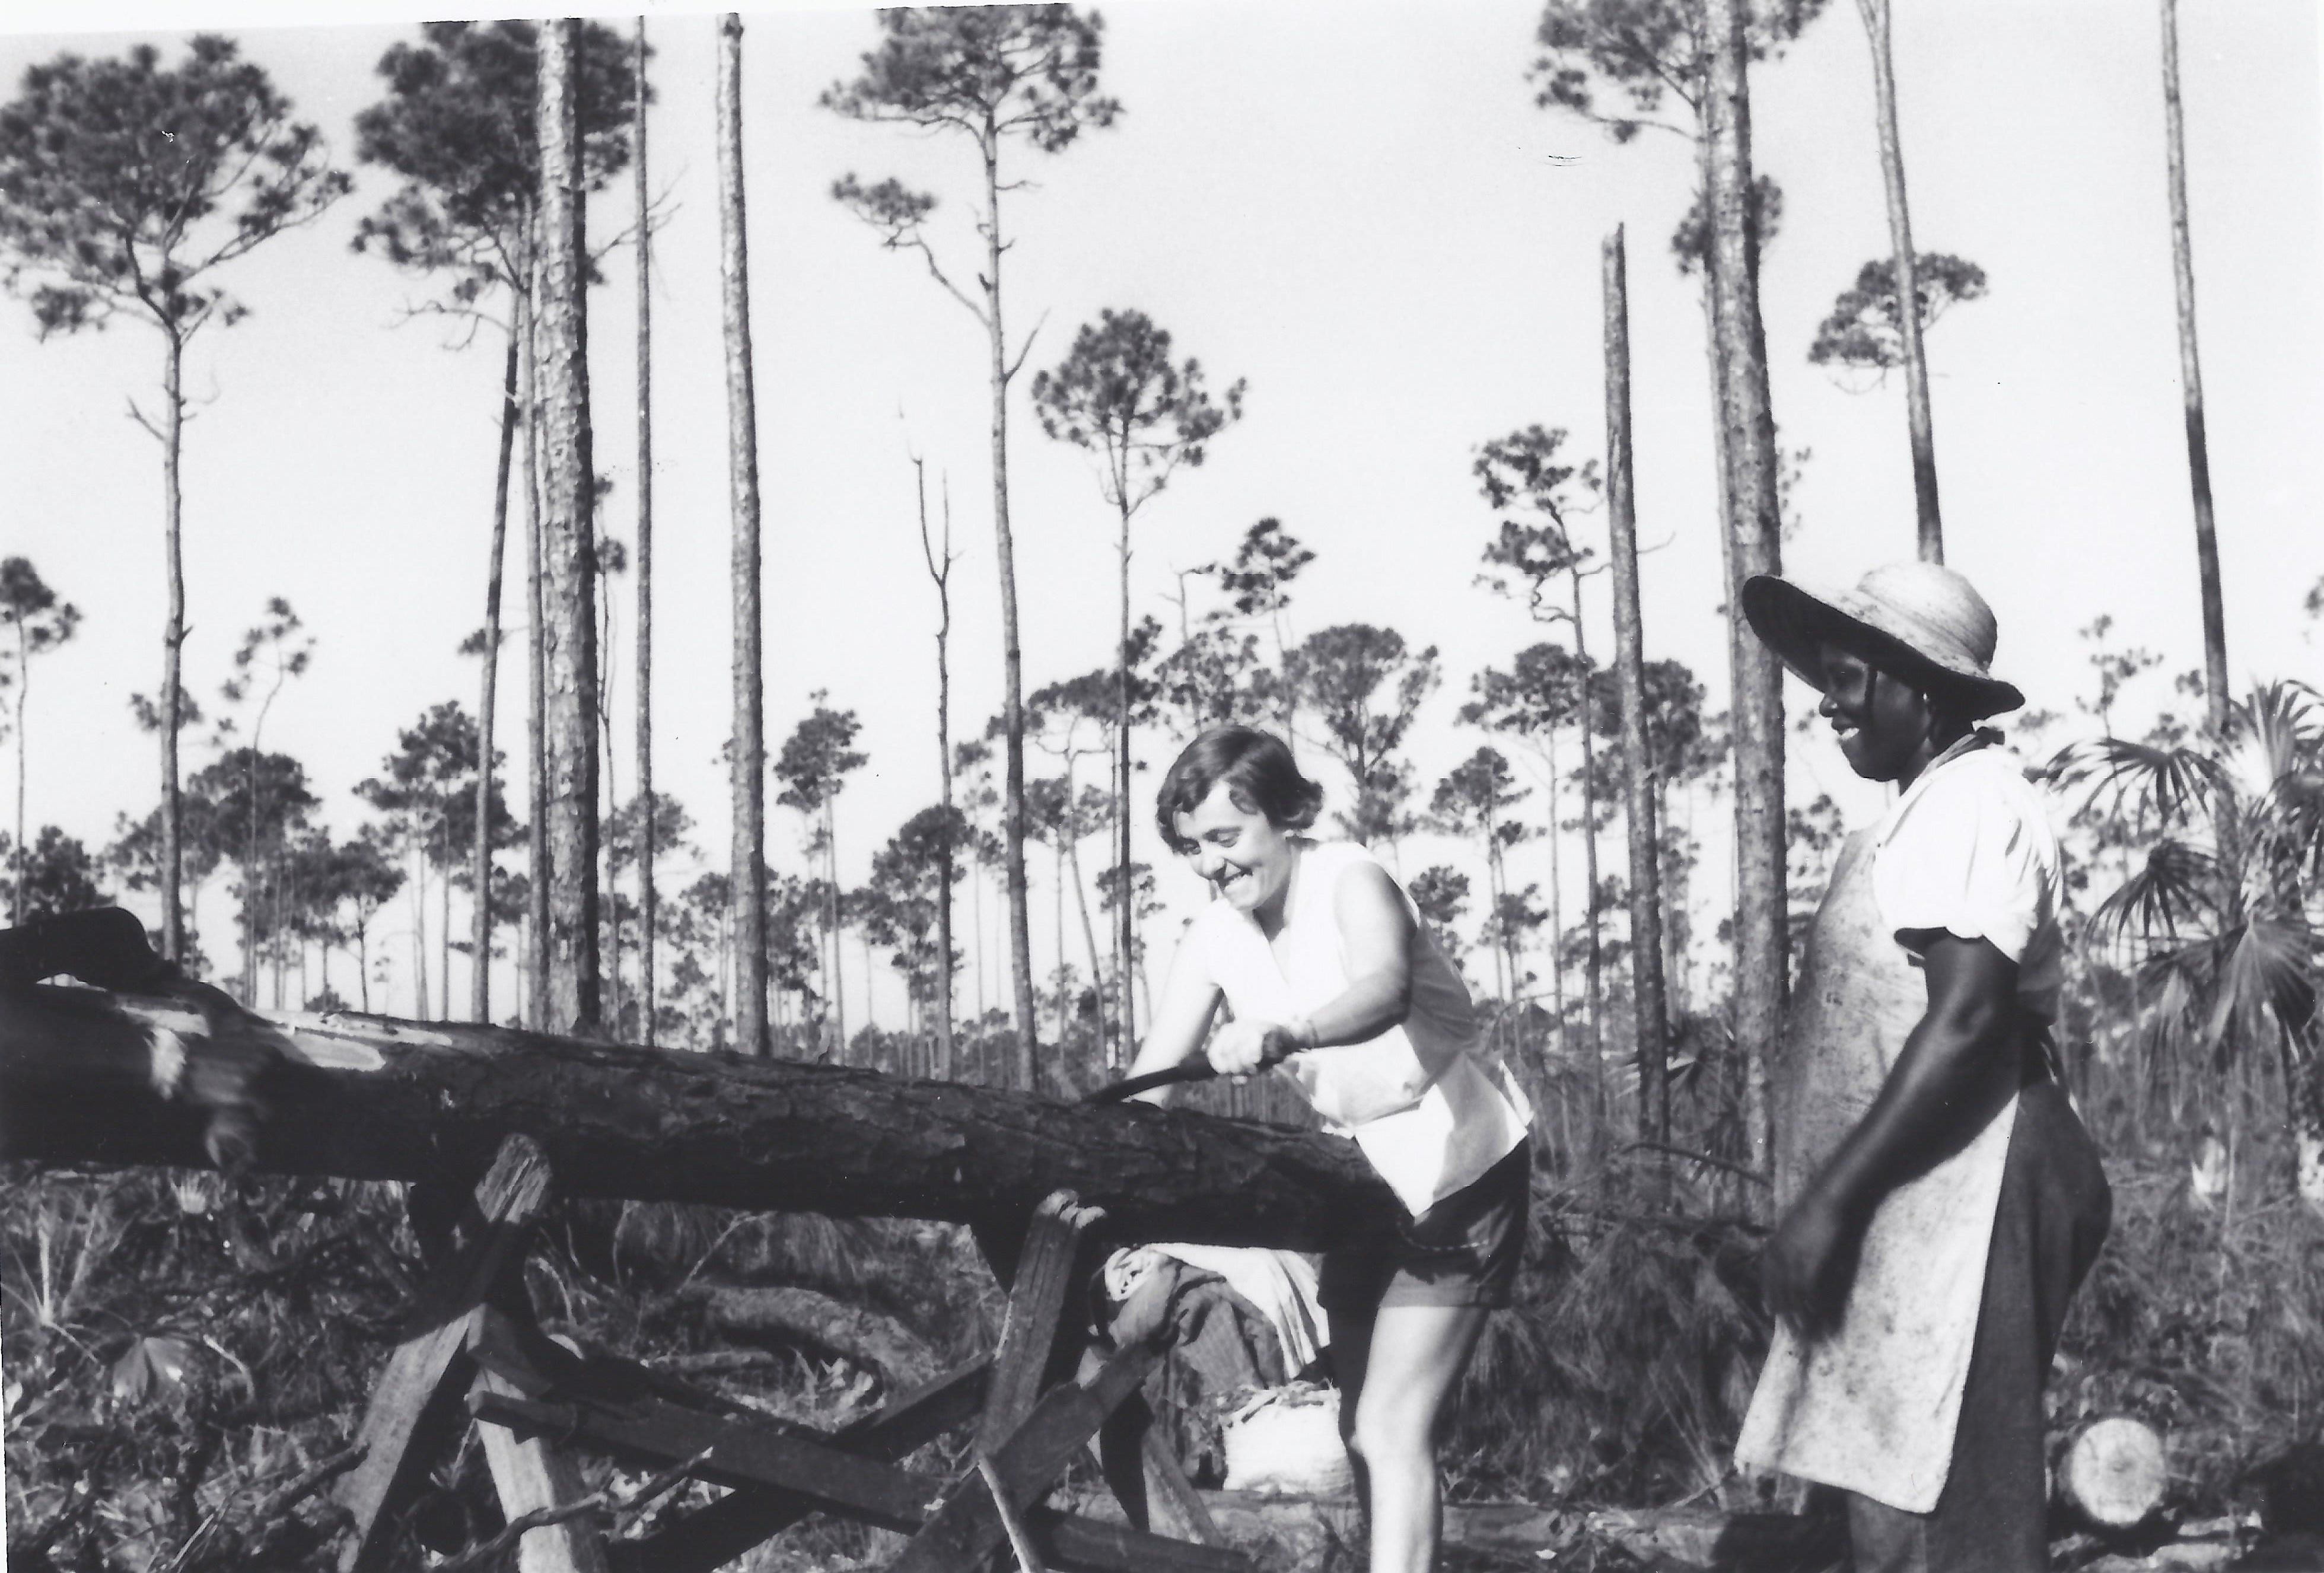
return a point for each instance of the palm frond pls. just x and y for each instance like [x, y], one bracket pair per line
[2168, 780]
[2264, 967]
[2177, 886]
[2280, 722]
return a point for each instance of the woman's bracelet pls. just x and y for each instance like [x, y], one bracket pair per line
[1303, 1032]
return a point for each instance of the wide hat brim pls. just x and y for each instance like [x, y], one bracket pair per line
[1796, 623]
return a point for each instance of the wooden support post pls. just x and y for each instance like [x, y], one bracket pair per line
[534, 1473]
[418, 1393]
[1043, 1283]
[971, 1522]
[752, 1456]
[1020, 1538]
[1146, 1476]
[713, 1536]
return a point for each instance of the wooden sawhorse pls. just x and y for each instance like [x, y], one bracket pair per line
[1042, 1397]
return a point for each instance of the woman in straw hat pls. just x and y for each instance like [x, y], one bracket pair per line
[1939, 1200]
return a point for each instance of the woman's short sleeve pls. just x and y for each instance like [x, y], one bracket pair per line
[1971, 857]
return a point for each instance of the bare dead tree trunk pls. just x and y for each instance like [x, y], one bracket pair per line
[749, 763]
[1593, 969]
[2190, 382]
[648, 831]
[1013, 699]
[480, 933]
[1630, 678]
[569, 551]
[939, 561]
[1753, 524]
[173, 639]
[1908, 286]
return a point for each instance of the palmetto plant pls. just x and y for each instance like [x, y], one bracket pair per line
[2222, 919]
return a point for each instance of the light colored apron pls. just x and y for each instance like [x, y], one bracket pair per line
[1871, 1407]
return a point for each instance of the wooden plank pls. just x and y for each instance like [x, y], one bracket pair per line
[1073, 1544]
[1012, 1522]
[1143, 1473]
[418, 1393]
[1043, 1283]
[711, 1537]
[970, 1522]
[532, 1473]
[658, 1433]
[1176, 1508]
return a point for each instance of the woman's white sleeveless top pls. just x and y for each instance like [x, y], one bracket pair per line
[1420, 1099]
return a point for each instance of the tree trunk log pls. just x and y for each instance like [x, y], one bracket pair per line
[1930, 539]
[569, 548]
[2190, 380]
[649, 911]
[372, 1097]
[2115, 1473]
[1629, 668]
[1761, 962]
[747, 873]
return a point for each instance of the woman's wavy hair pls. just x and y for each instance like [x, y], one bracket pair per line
[1260, 775]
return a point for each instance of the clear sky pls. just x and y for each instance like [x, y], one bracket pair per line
[1356, 207]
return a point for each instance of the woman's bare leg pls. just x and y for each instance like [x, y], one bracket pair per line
[1405, 1368]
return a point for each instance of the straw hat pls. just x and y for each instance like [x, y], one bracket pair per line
[1917, 621]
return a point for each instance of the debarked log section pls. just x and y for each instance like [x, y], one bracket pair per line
[362, 1097]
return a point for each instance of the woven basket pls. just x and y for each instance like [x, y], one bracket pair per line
[1286, 1442]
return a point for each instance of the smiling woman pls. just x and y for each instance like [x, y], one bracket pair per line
[1940, 1199]
[1330, 975]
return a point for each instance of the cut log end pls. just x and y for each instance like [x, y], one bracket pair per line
[2115, 1473]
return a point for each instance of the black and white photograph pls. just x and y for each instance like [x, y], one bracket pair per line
[1176, 786]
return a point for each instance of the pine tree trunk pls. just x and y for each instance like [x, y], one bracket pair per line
[1908, 286]
[537, 660]
[1125, 927]
[173, 637]
[1752, 522]
[940, 570]
[1648, 1004]
[1593, 968]
[24, 747]
[648, 908]
[1089, 937]
[2190, 380]
[1024, 1073]
[480, 937]
[570, 551]
[748, 873]
[838, 928]
[444, 921]
[1556, 894]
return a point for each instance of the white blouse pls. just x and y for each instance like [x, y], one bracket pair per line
[1419, 1097]
[1968, 849]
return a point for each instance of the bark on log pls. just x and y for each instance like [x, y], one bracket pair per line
[373, 1098]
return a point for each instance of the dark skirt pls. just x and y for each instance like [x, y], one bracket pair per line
[1993, 1514]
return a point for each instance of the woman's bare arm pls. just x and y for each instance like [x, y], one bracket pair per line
[1376, 934]
[1182, 1020]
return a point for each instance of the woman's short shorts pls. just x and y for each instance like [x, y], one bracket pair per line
[1462, 1251]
